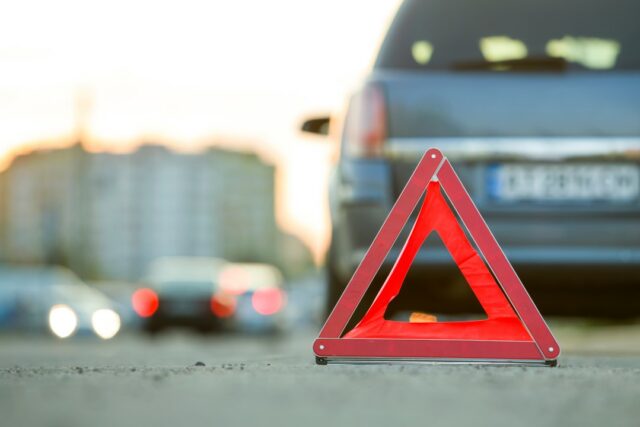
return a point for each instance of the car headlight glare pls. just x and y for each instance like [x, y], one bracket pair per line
[62, 320]
[105, 323]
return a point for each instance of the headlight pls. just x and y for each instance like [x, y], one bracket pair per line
[62, 320]
[105, 323]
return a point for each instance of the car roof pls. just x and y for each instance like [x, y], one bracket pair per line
[184, 269]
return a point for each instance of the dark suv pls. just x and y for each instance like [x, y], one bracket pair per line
[537, 105]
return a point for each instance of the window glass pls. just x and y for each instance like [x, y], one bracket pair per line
[503, 35]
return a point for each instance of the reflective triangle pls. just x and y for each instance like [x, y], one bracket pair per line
[514, 329]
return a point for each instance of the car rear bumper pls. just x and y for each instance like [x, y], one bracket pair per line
[531, 256]
[581, 265]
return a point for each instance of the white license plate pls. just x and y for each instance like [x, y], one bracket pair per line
[564, 182]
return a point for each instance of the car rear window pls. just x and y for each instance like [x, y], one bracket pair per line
[514, 35]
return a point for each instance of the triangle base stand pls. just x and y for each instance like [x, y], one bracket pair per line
[426, 361]
[536, 346]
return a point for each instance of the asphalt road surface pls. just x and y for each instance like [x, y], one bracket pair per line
[134, 380]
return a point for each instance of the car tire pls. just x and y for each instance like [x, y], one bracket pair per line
[334, 290]
[152, 328]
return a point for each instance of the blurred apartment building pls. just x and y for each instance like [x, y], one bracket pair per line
[109, 215]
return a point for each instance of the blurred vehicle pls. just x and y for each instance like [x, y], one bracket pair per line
[81, 310]
[537, 105]
[259, 296]
[208, 295]
[41, 298]
[181, 292]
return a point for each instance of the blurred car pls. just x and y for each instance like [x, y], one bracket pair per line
[81, 310]
[180, 292]
[537, 105]
[208, 295]
[260, 298]
[50, 298]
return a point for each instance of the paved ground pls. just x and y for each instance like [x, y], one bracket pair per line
[247, 381]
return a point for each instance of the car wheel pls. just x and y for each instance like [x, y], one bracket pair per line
[152, 328]
[334, 290]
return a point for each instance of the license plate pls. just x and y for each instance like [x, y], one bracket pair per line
[564, 182]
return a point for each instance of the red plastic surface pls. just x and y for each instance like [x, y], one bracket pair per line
[364, 348]
[519, 334]
[502, 322]
[373, 259]
[498, 262]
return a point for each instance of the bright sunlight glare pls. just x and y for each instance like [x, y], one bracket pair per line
[188, 73]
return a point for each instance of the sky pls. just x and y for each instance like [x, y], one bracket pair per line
[188, 73]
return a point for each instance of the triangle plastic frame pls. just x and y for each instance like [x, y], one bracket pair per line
[330, 346]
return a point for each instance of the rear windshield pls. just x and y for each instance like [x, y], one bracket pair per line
[514, 35]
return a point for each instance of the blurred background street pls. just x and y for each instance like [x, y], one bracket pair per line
[186, 188]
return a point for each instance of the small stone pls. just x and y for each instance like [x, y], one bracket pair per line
[419, 317]
[199, 364]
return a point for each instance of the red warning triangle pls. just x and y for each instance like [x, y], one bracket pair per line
[514, 330]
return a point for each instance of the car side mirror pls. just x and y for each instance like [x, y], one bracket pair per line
[316, 125]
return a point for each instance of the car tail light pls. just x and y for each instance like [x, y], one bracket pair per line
[268, 301]
[145, 302]
[223, 305]
[366, 123]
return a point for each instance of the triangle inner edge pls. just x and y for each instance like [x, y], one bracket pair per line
[436, 215]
